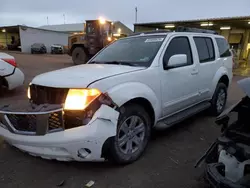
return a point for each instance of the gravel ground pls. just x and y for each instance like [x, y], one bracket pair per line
[168, 161]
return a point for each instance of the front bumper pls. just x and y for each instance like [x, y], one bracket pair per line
[83, 143]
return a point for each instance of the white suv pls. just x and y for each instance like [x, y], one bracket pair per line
[107, 108]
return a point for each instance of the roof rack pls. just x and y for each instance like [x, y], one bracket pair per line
[150, 32]
[178, 29]
[195, 30]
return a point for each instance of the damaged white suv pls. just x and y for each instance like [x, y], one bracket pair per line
[106, 109]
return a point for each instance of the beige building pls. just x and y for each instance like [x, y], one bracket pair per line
[235, 29]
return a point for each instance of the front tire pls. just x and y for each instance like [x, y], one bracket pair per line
[79, 56]
[133, 135]
[219, 99]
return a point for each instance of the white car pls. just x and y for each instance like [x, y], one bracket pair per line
[106, 109]
[11, 76]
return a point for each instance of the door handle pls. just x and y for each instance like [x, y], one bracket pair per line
[194, 72]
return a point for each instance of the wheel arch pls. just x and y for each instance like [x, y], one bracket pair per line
[221, 76]
[138, 93]
[4, 82]
[224, 79]
[145, 104]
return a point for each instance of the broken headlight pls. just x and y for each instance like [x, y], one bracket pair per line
[79, 99]
[81, 105]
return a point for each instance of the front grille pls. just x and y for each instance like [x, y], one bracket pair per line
[55, 121]
[23, 122]
[47, 95]
[28, 122]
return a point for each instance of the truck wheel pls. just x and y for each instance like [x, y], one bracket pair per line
[133, 135]
[219, 99]
[79, 56]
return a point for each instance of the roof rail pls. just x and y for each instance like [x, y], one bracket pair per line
[195, 30]
[150, 32]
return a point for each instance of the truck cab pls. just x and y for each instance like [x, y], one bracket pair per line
[96, 35]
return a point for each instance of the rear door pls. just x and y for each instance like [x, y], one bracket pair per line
[205, 47]
[225, 56]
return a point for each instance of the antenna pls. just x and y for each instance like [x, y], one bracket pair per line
[64, 18]
[136, 14]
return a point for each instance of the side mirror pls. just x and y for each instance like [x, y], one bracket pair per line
[177, 61]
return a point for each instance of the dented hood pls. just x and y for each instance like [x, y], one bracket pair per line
[82, 75]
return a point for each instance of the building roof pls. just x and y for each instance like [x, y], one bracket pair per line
[79, 27]
[124, 28]
[233, 22]
[199, 20]
[15, 28]
[64, 27]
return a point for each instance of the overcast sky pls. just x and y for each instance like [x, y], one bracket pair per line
[35, 12]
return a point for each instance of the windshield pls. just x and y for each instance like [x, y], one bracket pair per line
[92, 28]
[135, 51]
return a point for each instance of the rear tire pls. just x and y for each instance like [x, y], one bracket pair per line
[133, 135]
[79, 56]
[219, 99]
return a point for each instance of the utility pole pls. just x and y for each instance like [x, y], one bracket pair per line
[47, 20]
[136, 14]
[64, 18]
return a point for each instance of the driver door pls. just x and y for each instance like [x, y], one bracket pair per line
[180, 88]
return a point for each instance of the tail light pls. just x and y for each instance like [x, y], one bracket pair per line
[10, 61]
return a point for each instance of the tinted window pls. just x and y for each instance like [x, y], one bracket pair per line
[179, 45]
[205, 49]
[223, 47]
[138, 51]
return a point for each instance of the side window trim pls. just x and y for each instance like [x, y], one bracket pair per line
[190, 47]
[213, 49]
[209, 59]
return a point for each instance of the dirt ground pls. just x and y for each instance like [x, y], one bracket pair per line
[168, 162]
